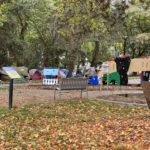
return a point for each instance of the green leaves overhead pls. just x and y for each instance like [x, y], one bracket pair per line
[45, 30]
[82, 16]
[3, 14]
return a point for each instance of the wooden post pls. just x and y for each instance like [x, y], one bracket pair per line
[101, 83]
[11, 94]
[107, 80]
[146, 89]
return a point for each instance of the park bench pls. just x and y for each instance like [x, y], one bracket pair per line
[146, 89]
[71, 84]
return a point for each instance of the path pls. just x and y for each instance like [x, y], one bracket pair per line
[25, 94]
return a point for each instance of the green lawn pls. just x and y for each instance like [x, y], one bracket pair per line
[87, 124]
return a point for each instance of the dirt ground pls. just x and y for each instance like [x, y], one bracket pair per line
[25, 94]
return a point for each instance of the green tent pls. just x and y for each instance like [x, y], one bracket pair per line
[23, 71]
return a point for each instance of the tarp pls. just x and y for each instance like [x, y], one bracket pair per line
[2, 72]
[62, 73]
[112, 66]
[65, 71]
[11, 72]
[51, 72]
[3, 76]
[136, 65]
[22, 70]
[55, 72]
[109, 67]
[139, 64]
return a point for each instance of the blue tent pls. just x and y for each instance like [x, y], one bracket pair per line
[53, 72]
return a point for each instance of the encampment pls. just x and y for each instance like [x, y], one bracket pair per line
[54, 73]
[34, 74]
[3, 76]
[23, 71]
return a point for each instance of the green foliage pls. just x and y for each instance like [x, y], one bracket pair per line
[39, 33]
[137, 26]
[3, 14]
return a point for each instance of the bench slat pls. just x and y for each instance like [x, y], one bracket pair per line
[72, 84]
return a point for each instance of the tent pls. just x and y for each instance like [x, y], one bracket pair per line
[35, 74]
[3, 76]
[23, 71]
[54, 73]
[63, 73]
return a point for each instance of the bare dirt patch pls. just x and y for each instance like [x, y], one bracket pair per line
[25, 94]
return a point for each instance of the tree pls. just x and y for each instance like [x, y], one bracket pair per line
[54, 33]
[76, 21]
[137, 23]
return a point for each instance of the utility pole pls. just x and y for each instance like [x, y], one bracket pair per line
[125, 44]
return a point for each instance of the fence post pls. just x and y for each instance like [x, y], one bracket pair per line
[11, 93]
[146, 89]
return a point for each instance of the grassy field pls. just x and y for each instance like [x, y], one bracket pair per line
[75, 125]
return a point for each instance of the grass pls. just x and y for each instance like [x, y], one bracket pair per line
[87, 124]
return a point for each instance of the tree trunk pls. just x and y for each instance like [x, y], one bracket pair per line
[133, 53]
[139, 51]
[71, 58]
[46, 60]
[125, 45]
[23, 30]
[95, 58]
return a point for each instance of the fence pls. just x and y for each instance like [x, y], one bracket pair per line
[50, 81]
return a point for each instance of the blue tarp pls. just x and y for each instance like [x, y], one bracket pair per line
[51, 72]
[65, 71]
[93, 80]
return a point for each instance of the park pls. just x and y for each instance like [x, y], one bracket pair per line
[75, 75]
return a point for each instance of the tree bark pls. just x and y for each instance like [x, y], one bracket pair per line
[132, 46]
[95, 57]
[133, 53]
[71, 58]
[139, 51]
[23, 24]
